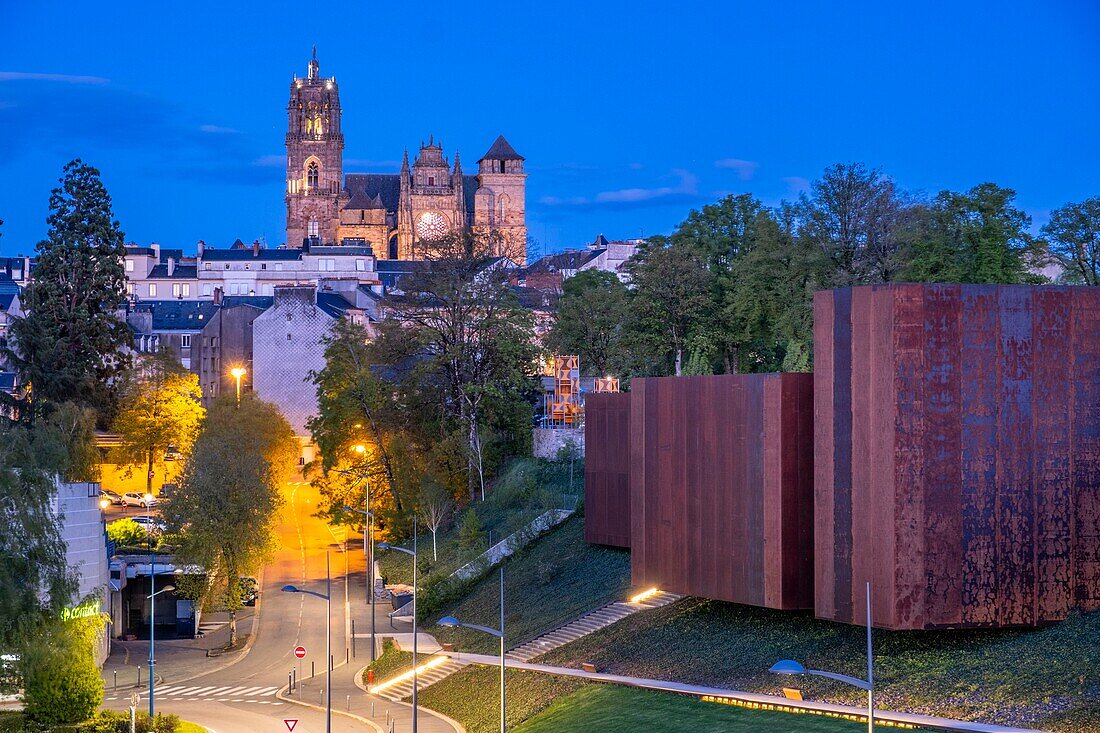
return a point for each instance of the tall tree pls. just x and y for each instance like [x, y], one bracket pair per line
[160, 409]
[589, 321]
[851, 215]
[672, 299]
[973, 237]
[69, 347]
[225, 506]
[471, 332]
[1073, 233]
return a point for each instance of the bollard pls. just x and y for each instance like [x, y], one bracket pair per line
[139, 677]
[321, 697]
[353, 637]
[372, 708]
[347, 655]
[349, 703]
[290, 683]
[312, 671]
[116, 679]
[330, 662]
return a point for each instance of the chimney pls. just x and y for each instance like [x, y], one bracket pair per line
[255, 248]
[217, 296]
[202, 246]
[171, 266]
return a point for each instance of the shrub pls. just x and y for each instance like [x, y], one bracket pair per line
[162, 723]
[471, 535]
[127, 533]
[106, 721]
[61, 680]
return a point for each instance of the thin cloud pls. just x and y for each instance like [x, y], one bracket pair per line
[796, 185]
[64, 78]
[686, 191]
[218, 130]
[746, 169]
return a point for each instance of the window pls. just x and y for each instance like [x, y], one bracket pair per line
[129, 265]
[288, 337]
[152, 290]
[502, 166]
[206, 265]
[326, 264]
[313, 229]
[360, 265]
[312, 174]
[207, 289]
[278, 267]
[176, 290]
[431, 180]
[227, 265]
[185, 341]
[129, 288]
[187, 290]
[263, 265]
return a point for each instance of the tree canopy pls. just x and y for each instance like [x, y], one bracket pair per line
[69, 347]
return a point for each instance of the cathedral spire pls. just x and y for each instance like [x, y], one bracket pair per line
[405, 162]
[314, 66]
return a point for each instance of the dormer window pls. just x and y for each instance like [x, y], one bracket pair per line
[502, 166]
[312, 175]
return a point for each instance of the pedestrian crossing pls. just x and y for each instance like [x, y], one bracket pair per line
[211, 693]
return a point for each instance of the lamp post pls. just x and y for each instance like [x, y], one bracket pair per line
[152, 624]
[327, 598]
[452, 621]
[789, 666]
[370, 566]
[412, 552]
[237, 373]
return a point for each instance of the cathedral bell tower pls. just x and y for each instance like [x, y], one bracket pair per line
[314, 159]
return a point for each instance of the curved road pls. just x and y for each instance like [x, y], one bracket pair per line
[240, 698]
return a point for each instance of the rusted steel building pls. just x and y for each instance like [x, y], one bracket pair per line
[719, 480]
[607, 469]
[957, 454]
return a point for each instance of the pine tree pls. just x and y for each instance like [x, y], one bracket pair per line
[68, 347]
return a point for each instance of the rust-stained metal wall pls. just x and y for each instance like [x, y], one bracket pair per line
[721, 487]
[957, 452]
[607, 469]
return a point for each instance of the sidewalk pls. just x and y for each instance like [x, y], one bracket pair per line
[178, 660]
[749, 698]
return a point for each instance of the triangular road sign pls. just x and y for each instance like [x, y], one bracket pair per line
[290, 724]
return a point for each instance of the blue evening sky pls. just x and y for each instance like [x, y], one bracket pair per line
[629, 113]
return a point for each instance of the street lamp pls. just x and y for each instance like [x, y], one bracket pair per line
[152, 625]
[237, 373]
[327, 598]
[412, 552]
[454, 622]
[370, 566]
[789, 666]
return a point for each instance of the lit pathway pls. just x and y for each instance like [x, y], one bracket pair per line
[746, 699]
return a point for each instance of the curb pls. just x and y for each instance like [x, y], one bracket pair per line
[283, 695]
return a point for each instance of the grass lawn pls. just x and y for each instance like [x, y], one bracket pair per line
[616, 709]
[1047, 678]
[390, 663]
[550, 582]
[472, 696]
[12, 721]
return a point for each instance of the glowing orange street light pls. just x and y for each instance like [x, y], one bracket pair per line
[360, 449]
[237, 373]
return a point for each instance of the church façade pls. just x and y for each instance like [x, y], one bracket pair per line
[391, 213]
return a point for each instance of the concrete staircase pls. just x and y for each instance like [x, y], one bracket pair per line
[401, 691]
[592, 621]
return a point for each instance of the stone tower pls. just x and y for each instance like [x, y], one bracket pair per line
[500, 202]
[314, 159]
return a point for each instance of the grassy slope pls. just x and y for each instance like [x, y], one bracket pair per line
[614, 709]
[552, 581]
[471, 696]
[523, 491]
[1028, 678]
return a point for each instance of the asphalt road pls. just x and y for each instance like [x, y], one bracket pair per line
[241, 698]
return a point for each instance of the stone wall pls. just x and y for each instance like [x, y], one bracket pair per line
[548, 441]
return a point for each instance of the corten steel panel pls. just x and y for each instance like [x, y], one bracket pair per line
[977, 410]
[607, 469]
[721, 487]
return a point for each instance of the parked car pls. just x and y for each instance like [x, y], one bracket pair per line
[111, 496]
[133, 498]
[149, 523]
[248, 590]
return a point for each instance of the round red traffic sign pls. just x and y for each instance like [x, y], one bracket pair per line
[299, 651]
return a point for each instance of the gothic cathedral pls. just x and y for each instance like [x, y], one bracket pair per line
[394, 214]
